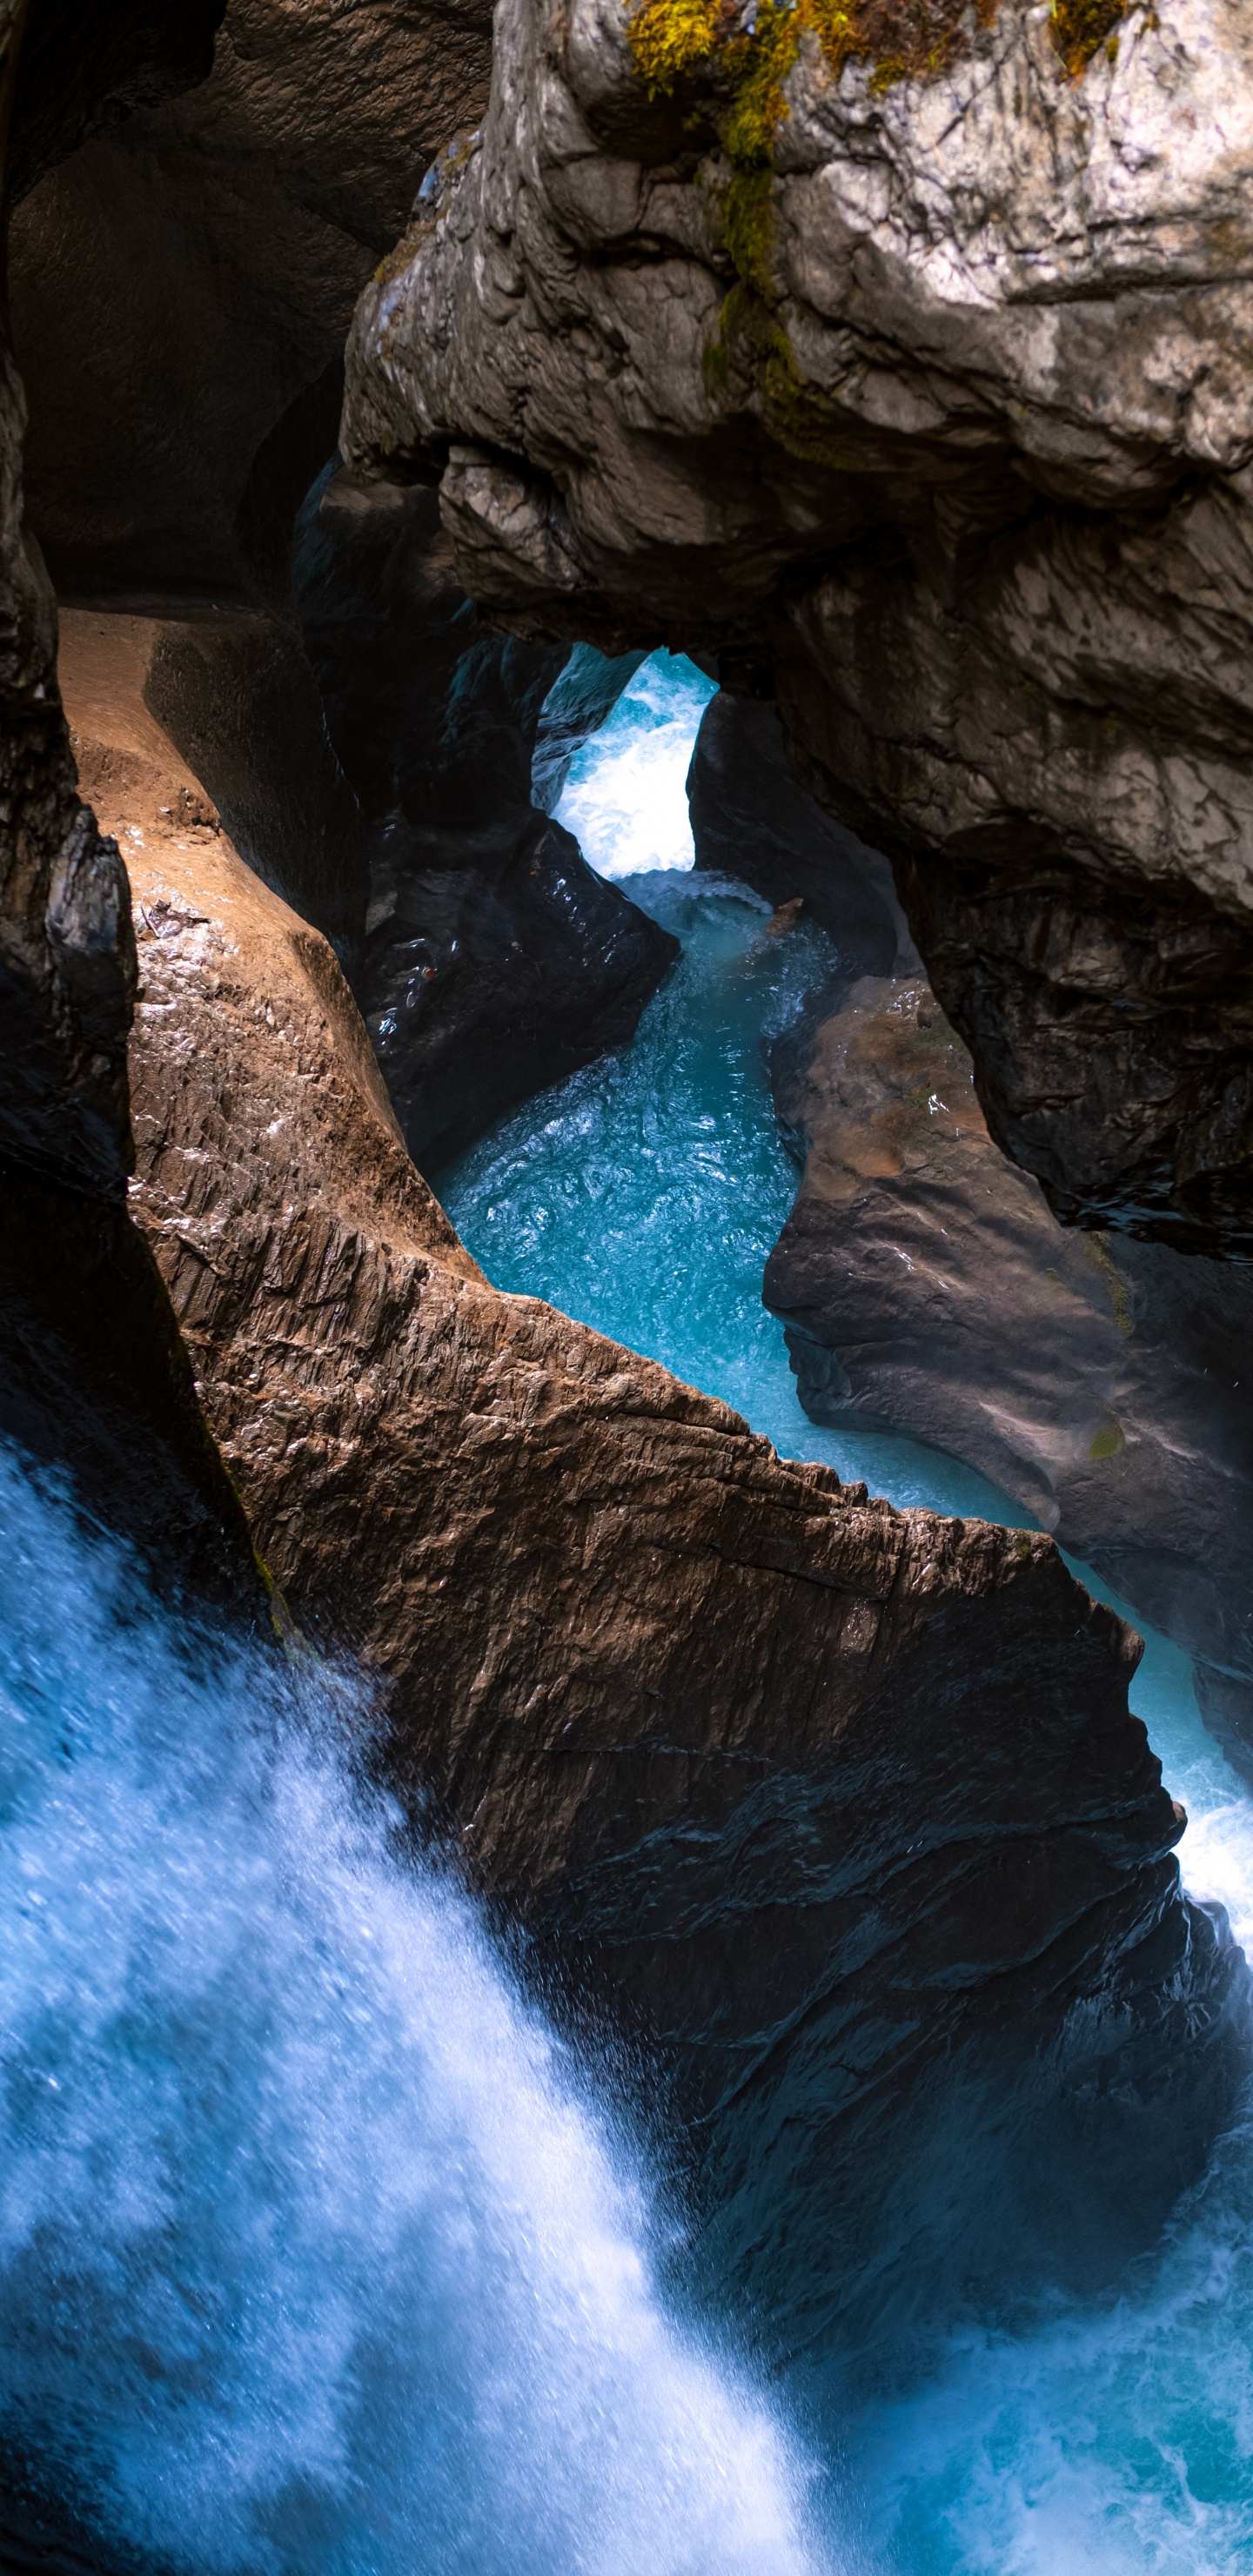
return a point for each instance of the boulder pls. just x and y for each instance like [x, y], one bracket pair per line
[905, 355]
[836, 1813]
[927, 1288]
[496, 961]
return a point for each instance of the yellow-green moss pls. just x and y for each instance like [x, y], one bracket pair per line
[1081, 27]
[674, 40]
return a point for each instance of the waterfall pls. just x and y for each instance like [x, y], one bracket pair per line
[315, 2251]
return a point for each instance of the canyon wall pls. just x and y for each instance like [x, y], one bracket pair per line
[93, 1376]
[924, 394]
[835, 1815]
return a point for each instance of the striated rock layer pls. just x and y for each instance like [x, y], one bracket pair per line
[932, 394]
[837, 1812]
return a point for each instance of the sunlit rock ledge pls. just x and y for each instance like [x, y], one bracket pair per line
[948, 446]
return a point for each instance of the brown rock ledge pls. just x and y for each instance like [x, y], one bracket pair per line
[837, 1810]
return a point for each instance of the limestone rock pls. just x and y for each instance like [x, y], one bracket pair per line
[1103, 1383]
[496, 960]
[835, 1810]
[945, 417]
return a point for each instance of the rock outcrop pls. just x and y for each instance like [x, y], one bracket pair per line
[93, 1377]
[928, 389]
[1104, 1383]
[833, 1810]
[496, 961]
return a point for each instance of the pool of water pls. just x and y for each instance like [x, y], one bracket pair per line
[643, 1196]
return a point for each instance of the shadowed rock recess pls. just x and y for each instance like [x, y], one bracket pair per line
[931, 393]
[495, 960]
[180, 288]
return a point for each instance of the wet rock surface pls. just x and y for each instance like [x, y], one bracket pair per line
[1104, 1383]
[937, 410]
[835, 1810]
[94, 1381]
[496, 961]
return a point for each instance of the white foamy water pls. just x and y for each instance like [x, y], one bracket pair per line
[314, 2253]
[624, 797]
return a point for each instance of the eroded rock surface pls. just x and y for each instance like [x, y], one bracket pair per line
[836, 1809]
[1104, 1383]
[496, 961]
[93, 1378]
[944, 414]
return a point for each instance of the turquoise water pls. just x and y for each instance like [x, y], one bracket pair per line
[643, 1196]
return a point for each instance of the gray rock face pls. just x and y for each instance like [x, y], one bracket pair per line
[750, 819]
[1105, 1383]
[495, 961]
[950, 423]
[93, 1376]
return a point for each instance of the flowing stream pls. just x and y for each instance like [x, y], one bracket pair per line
[643, 1196]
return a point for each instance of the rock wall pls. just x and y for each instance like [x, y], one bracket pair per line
[496, 961]
[926, 393]
[831, 1810]
[751, 819]
[94, 1380]
[1103, 1383]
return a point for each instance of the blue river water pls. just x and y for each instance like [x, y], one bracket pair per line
[319, 2255]
[643, 1196]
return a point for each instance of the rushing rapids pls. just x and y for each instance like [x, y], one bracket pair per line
[315, 2252]
[644, 1195]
